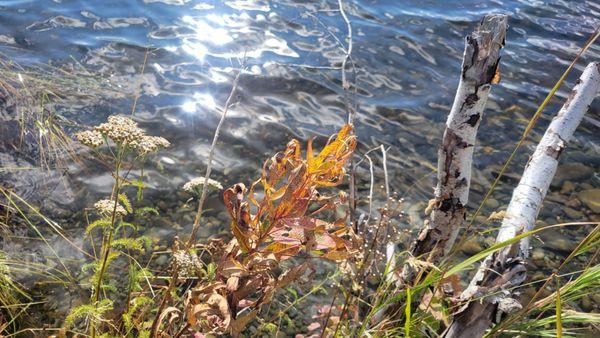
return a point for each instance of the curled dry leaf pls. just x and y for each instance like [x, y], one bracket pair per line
[171, 313]
[238, 325]
[211, 316]
[291, 275]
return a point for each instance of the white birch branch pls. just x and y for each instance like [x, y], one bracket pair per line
[506, 268]
[479, 71]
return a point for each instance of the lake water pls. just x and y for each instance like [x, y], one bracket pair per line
[407, 56]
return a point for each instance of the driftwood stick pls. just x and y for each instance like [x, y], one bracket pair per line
[479, 72]
[505, 269]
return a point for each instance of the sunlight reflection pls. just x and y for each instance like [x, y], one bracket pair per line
[199, 101]
[205, 32]
[216, 35]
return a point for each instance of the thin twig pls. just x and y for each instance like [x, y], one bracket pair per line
[390, 247]
[345, 83]
[370, 188]
[139, 89]
[350, 111]
[211, 153]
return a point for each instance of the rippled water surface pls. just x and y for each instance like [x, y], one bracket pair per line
[407, 56]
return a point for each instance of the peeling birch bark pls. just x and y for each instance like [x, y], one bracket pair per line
[479, 72]
[505, 269]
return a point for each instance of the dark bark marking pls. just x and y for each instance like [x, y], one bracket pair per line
[471, 99]
[475, 44]
[490, 72]
[473, 119]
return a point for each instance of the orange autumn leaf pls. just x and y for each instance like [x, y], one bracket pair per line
[276, 219]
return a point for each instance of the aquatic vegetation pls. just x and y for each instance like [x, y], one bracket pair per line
[34, 95]
[10, 293]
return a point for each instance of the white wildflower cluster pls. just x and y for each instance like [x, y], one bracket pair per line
[120, 129]
[149, 144]
[125, 131]
[187, 264]
[194, 183]
[90, 138]
[105, 207]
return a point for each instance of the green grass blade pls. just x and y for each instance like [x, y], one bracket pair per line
[558, 310]
[407, 312]
[498, 246]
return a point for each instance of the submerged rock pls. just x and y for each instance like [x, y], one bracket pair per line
[538, 254]
[586, 303]
[492, 203]
[561, 244]
[572, 172]
[572, 213]
[567, 187]
[471, 247]
[591, 199]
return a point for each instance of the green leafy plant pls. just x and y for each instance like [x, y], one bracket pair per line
[126, 143]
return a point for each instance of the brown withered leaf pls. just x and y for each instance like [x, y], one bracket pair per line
[232, 267]
[238, 325]
[431, 303]
[211, 316]
[249, 287]
[240, 217]
[260, 261]
[291, 275]
[325, 241]
[233, 283]
[282, 251]
[171, 312]
[272, 221]
[337, 255]
[206, 289]
[451, 285]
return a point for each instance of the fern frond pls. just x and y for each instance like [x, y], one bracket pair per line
[126, 204]
[126, 224]
[135, 304]
[100, 223]
[88, 312]
[136, 276]
[136, 244]
[147, 210]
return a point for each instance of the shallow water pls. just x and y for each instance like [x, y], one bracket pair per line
[407, 57]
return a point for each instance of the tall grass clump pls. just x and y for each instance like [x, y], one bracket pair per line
[11, 297]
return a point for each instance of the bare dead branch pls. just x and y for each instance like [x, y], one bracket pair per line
[505, 269]
[479, 72]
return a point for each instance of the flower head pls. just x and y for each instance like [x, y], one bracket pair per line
[105, 207]
[185, 263]
[120, 129]
[124, 131]
[90, 138]
[198, 181]
[149, 144]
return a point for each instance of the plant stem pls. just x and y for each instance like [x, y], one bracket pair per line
[107, 244]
